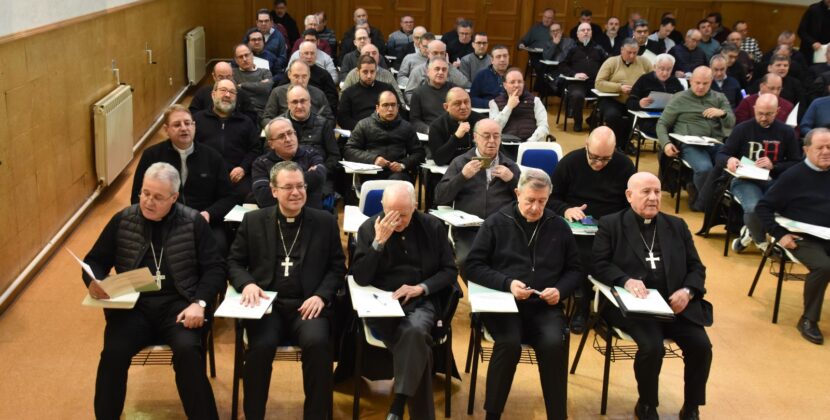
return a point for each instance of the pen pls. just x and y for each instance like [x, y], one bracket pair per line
[377, 298]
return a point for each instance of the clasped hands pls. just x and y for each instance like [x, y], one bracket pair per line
[522, 292]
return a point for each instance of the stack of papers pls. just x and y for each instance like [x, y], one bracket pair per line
[457, 218]
[801, 227]
[483, 299]
[652, 306]
[661, 99]
[352, 219]
[748, 170]
[360, 167]
[232, 307]
[127, 301]
[236, 213]
[122, 288]
[695, 140]
[577, 228]
[371, 302]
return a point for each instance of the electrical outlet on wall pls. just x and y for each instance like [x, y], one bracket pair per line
[170, 80]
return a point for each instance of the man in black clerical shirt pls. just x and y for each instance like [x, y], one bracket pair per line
[525, 248]
[590, 182]
[295, 251]
[406, 251]
[451, 134]
[175, 243]
[641, 249]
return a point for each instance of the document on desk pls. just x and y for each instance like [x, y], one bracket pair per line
[352, 219]
[236, 213]
[457, 218]
[748, 170]
[652, 305]
[822, 232]
[232, 306]
[126, 301]
[138, 280]
[650, 56]
[661, 99]
[695, 140]
[577, 228]
[549, 62]
[484, 299]
[360, 167]
[371, 302]
[342, 132]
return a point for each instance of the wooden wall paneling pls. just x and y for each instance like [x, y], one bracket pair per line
[687, 13]
[766, 20]
[501, 19]
[569, 17]
[418, 9]
[470, 9]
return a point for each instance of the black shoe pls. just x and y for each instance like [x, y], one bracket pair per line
[691, 190]
[577, 126]
[630, 150]
[578, 323]
[645, 412]
[391, 416]
[809, 330]
[691, 414]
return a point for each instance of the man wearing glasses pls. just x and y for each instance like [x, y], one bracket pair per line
[590, 182]
[295, 251]
[205, 183]
[284, 146]
[477, 60]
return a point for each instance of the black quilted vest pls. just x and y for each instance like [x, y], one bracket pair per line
[522, 122]
[180, 259]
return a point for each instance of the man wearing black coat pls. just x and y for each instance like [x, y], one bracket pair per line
[451, 134]
[203, 99]
[640, 249]
[296, 252]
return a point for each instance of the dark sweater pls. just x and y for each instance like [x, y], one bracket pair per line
[202, 100]
[650, 83]
[801, 194]
[426, 105]
[443, 143]
[236, 138]
[749, 139]
[575, 184]
[358, 102]
[583, 59]
[685, 60]
[731, 88]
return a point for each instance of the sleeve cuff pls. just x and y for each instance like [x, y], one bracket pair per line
[426, 288]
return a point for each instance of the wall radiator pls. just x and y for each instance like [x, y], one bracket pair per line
[113, 119]
[195, 49]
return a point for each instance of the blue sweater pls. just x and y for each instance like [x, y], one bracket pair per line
[486, 86]
[817, 115]
[731, 89]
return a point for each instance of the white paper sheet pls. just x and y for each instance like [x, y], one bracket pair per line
[483, 299]
[371, 302]
[358, 167]
[232, 308]
[457, 218]
[236, 214]
[822, 232]
[652, 304]
[352, 219]
[126, 301]
[661, 99]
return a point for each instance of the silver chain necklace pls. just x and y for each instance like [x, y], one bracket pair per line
[651, 258]
[287, 262]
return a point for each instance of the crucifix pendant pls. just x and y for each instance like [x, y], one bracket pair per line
[287, 263]
[159, 277]
[651, 258]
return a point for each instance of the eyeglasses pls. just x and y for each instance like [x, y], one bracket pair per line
[392, 105]
[226, 91]
[298, 102]
[290, 188]
[153, 198]
[283, 136]
[489, 136]
[180, 124]
[598, 159]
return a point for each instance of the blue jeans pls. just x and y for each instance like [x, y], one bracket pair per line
[749, 192]
[700, 158]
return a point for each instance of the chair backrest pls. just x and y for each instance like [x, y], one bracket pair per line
[540, 155]
[370, 194]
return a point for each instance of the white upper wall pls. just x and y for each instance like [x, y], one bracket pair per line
[23, 15]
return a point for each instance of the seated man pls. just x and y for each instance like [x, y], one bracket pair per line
[415, 59]
[489, 82]
[748, 44]
[361, 21]
[540, 273]
[659, 80]
[350, 60]
[585, 16]
[641, 36]
[791, 89]
[203, 98]
[612, 39]
[283, 146]
[399, 39]
[590, 181]
[381, 74]
[386, 140]
[451, 134]
[724, 83]
[205, 184]
[231, 134]
[298, 74]
[322, 59]
[738, 63]
[477, 60]
[417, 76]
[359, 100]
[310, 23]
[325, 33]
[708, 44]
[406, 251]
[582, 62]
[802, 193]
[274, 41]
[537, 36]
[519, 113]
[476, 186]
[425, 106]
[687, 56]
[281, 17]
[463, 43]
[698, 112]
[772, 145]
[674, 269]
[190, 273]
[410, 47]
[618, 75]
[771, 83]
[312, 130]
[661, 36]
[256, 42]
[817, 115]
[318, 77]
[255, 82]
[306, 279]
[557, 45]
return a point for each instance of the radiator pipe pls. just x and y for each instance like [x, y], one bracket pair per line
[40, 259]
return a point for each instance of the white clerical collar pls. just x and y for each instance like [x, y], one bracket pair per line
[186, 152]
[812, 166]
[647, 221]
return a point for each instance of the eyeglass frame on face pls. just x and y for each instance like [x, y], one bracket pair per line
[146, 195]
[292, 188]
[301, 101]
[388, 105]
[283, 136]
[225, 91]
[489, 136]
[597, 159]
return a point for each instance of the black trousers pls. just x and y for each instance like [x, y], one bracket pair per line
[815, 255]
[313, 337]
[584, 244]
[649, 335]
[615, 115]
[152, 321]
[576, 99]
[542, 326]
[409, 339]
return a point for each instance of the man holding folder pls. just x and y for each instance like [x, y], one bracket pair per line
[176, 244]
[643, 249]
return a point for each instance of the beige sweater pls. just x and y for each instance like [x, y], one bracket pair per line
[614, 73]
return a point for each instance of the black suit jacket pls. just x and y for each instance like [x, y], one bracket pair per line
[619, 256]
[253, 258]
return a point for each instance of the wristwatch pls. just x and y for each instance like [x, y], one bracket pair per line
[689, 291]
[201, 303]
[377, 246]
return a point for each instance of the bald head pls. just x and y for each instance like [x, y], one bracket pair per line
[419, 31]
[308, 52]
[399, 203]
[599, 147]
[643, 194]
[765, 109]
[701, 80]
[458, 104]
[641, 178]
[222, 71]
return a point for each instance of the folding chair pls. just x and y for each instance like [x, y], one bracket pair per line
[540, 155]
[784, 257]
[370, 194]
[612, 349]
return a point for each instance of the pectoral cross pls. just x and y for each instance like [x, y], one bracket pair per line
[287, 263]
[159, 277]
[651, 258]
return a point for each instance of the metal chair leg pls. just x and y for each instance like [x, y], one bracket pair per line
[358, 371]
[448, 363]
[758, 272]
[781, 274]
[606, 371]
[470, 346]
[237, 369]
[476, 350]
[679, 187]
